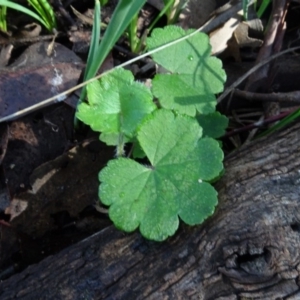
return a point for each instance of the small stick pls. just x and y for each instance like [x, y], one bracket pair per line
[267, 49]
[252, 70]
[258, 124]
[293, 97]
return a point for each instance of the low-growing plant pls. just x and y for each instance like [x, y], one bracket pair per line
[175, 137]
[123, 14]
[45, 14]
[45, 10]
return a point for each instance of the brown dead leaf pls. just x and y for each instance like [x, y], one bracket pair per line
[5, 55]
[83, 18]
[67, 184]
[33, 140]
[35, 77]
[15, 208]
[231, 37]
[242, 38]
[28, 31]
[220, 37]
[81, 40]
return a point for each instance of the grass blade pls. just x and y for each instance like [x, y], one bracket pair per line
[44, 9]
[24, 10]
[124, 12]
[3, 24]
[132, 33]
[95, 37]
[284, 122]
[263, 7]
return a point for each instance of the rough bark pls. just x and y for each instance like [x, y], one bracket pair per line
[249, 249]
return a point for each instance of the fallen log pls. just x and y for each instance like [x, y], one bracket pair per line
[249, 249]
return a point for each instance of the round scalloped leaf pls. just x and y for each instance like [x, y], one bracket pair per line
[195, 77]
[116, 104]
[112, 139]
[173, 185]
[214, 125]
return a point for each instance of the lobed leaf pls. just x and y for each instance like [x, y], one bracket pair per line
[194, 76]
[174, 185]
[116, 104]
[214, 124]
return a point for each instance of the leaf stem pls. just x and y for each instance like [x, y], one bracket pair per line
[120, 146]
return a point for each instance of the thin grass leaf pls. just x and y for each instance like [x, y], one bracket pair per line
[179, 8]
[120, 20]
[132, 32]
[36, 5]
[169, 4]
[95, 38]
[39, 9]
[246, 4]
[284, 122]
[263, 7]
[165, 10]
[245, 8]
[24, 10]
[46, 12]
[174, 10]
[3, 24]
[49, 11]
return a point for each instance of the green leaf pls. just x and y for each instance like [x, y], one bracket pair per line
[214, 125]
[284, 122]
[116, 104]
[194, 75]
[111, 139]
[174, 185]
[45, 11]
[3, 23]
[264, 5]
[95, 38]
[25, 10]
[123, 13]
[137, 152]
[245, 8]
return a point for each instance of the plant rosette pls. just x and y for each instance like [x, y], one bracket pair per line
[176, 139]
[175, 183]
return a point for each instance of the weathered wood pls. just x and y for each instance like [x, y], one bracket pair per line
[249, 249]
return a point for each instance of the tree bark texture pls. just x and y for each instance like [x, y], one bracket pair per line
[249, 249]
